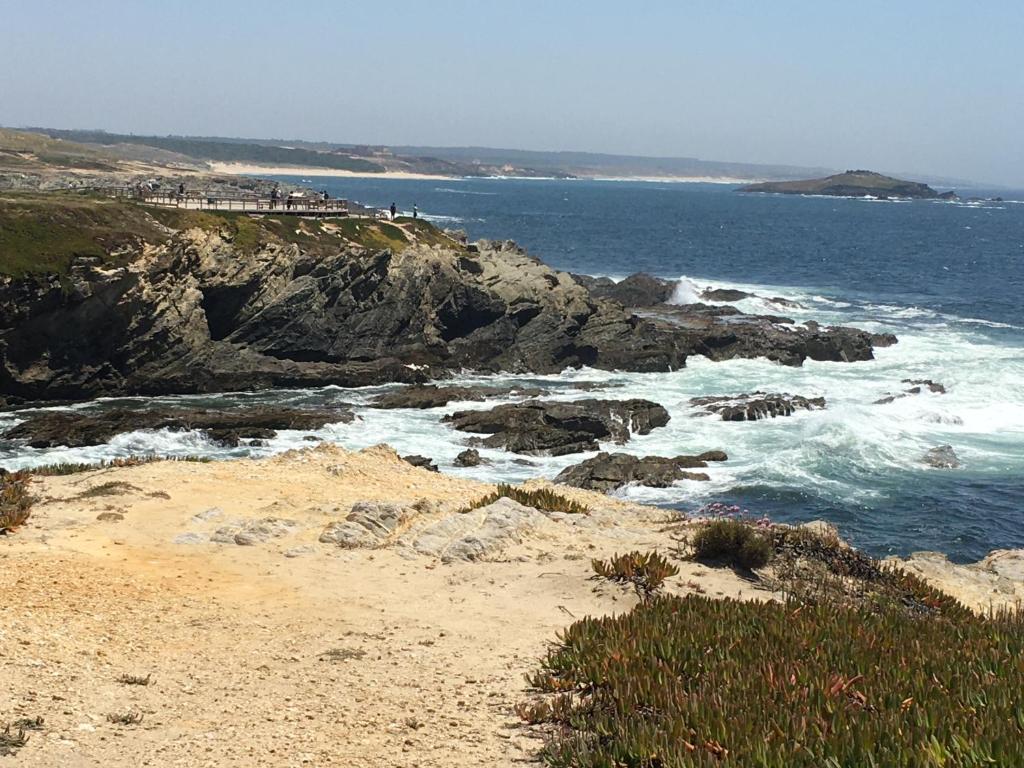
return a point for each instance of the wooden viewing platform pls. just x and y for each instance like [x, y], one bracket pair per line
[288, 205]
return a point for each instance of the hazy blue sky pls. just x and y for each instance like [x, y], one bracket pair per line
[932, 87]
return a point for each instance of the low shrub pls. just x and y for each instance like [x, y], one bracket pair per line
[72, 468]
[732, 542]
[813, 567]
[646, 573]
[540, 498]
[15, 501]
[693, 681]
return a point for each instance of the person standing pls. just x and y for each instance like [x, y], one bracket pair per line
[394, 211]
[273, 197]
[415, 211]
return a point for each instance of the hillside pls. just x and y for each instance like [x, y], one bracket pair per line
[858, 183]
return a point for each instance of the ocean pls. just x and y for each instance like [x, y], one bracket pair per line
[946, 277]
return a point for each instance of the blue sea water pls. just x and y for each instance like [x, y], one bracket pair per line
[947, 278]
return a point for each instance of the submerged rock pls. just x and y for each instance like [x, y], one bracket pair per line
[757, 405]
[942, 457]
[608, 471]
[917, 386]
[557, 428]
[74, 429]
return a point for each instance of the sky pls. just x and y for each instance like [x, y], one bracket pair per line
[929, 87]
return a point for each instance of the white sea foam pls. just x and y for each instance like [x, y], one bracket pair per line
[685, 292]
[843, 453]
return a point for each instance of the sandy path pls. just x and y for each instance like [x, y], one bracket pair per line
[332, 657]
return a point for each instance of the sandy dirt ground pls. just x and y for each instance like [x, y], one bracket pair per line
[288, 652]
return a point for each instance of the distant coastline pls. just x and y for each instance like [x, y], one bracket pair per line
[252, 169]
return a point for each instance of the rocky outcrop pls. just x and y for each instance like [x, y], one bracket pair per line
[208, 311]
[609, 471]
[479, 534]
[47, 429]
[757, 405]
[637, 290]
[995, 581]
[424, 462]
[422, 396]
[557, 428]
[469, 458]
[368, 525]
[723, 333]
[724, 294]
[942, 457]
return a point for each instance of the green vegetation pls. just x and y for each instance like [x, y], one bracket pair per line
[42, 233]
[541, 498]
[700, 682]
[20, 150]
[66, 468]
[814, 568]
[645, 572]
[732, 542]
[15, 501]
[226, 151]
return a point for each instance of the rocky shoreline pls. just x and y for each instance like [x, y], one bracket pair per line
[244, 304]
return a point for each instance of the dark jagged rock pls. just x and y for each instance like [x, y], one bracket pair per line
[469, 458]
[942, 457]
[608, 471]
[433, 396]
[557, 428]
[757, 405]
[205, 311]
[724, 294]
[48, 429]
[723, 333]
[421, 461]
[916, 387]
[637, 290]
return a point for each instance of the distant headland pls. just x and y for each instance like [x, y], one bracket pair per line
[858, 183]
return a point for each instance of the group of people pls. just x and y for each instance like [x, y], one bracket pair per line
[393, 210]
[293, 197]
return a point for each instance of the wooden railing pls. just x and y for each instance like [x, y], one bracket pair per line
[293, 204]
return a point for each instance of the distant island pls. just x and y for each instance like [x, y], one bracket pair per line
[854, 184]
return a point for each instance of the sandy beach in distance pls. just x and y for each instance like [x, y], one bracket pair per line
[246, 169]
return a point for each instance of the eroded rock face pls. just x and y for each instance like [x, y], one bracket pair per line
[757, 405]
[47, 429]
[196, 314]
[368, 525]
[557, 428]
[609, 471]
[478, 534]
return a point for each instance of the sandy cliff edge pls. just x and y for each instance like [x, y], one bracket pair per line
[269, 647]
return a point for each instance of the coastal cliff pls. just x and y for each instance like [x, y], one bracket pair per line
[105, 298]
